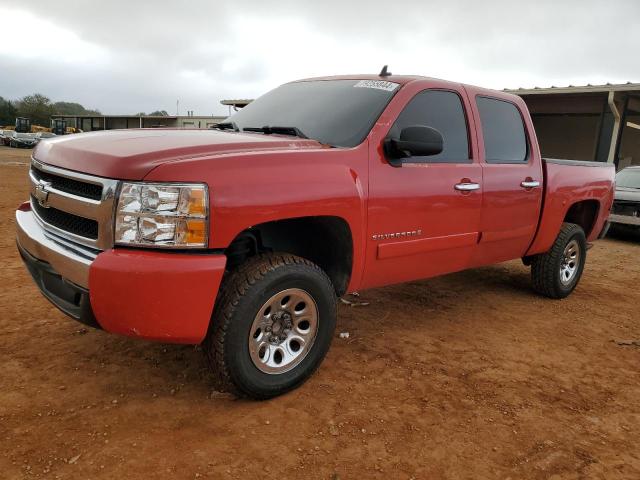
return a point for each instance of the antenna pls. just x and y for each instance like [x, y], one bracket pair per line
[383, 72]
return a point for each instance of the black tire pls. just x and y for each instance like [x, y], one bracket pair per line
[546, 274]
[242, 295]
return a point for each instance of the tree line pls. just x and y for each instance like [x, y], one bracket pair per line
[39, 108]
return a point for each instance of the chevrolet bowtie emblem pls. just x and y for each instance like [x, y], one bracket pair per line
[42, 193]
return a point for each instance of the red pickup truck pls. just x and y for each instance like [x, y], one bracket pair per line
[242, 238]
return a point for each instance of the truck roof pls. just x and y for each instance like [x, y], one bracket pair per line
[405, 79]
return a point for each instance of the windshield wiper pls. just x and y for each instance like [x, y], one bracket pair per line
[293, 131]
[226, 126]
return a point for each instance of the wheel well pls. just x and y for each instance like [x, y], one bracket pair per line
[326, 241]
[584, 214]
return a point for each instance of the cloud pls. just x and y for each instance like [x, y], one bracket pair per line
[45, 39]
[123, 57]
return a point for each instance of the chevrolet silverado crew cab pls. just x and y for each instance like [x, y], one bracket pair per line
[242, 238]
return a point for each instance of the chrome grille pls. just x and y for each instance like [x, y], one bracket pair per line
[69, 185]
[74, 206]
[68, 222]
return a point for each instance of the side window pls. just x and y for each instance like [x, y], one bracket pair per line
[443, 111]
[503, 131]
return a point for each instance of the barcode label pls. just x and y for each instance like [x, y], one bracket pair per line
[378, 84]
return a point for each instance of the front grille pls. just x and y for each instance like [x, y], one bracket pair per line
[623, 207]
[80, 206]
[68, 222]
[68, 185]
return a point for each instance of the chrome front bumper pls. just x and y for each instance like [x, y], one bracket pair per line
[70, 260]
[624, 219]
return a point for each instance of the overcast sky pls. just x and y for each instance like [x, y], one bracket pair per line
[130, 56]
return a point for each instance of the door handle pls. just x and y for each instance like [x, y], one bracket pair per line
[530, 184]
[467, 186]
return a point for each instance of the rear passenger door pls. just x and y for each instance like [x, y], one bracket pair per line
[512, 181]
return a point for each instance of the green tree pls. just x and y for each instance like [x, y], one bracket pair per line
[8, 112]
[72, 108]
[157, 113]
[37, 107]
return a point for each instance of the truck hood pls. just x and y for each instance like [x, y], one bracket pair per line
[132, 154]
[627, 194]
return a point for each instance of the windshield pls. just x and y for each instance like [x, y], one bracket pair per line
[629, 178]
[335, 112]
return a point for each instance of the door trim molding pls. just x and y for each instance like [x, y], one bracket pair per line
[425, 245]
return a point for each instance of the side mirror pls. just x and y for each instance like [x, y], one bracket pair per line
[416, 140]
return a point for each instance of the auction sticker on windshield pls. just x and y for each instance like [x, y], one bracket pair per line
[379, 84]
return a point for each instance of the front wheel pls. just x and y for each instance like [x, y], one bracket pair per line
[272, 326]
[556, 274]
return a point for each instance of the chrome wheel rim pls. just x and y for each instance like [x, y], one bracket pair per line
[283, 331]
[570, 262]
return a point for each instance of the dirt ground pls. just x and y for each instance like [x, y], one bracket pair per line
[465, 376]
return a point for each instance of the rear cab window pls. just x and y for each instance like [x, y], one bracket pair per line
[505, 139]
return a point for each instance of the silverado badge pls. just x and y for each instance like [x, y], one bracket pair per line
[386, 236]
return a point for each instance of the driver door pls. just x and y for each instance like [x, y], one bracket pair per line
[424, 216]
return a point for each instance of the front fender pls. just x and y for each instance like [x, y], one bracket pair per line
[251, 189]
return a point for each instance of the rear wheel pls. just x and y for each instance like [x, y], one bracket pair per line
[556, 274]
[272, 326]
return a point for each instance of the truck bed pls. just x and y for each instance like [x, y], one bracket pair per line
[567, 182]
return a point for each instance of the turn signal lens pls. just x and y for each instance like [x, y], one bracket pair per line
[195, 232]
[196, 203]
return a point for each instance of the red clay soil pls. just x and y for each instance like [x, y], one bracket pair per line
[466, 376]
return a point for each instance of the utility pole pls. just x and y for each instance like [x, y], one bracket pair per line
[177, 108]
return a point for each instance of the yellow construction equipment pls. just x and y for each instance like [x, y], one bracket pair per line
[38, 128]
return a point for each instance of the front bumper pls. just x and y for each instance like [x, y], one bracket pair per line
[155, 295]
[624, 219]
[68, 297]
[69, 260]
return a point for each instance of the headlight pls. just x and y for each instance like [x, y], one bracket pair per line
[162, 215]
